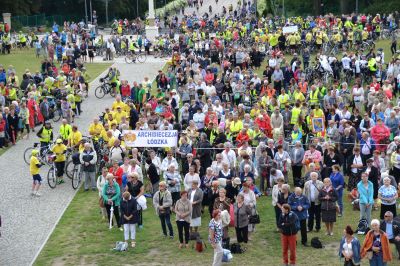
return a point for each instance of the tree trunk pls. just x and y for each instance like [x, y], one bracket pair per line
[317, 7]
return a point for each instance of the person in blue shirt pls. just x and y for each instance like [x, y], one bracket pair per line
[337, 180]
[366, 191]
[300, 205]
[55, 28]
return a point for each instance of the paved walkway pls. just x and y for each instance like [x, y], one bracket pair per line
[28, 221]
[216, 8]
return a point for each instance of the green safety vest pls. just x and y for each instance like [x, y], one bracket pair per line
[372, 64]
[46, 134]
[65, 131]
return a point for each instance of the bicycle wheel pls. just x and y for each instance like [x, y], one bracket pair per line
[141, 58]
[69, 169]
[51, 178]
[56, 115]
[128, 59]
[76, 178]
[99, 92]
[27, 155]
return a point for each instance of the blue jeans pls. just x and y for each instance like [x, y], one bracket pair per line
[340, 200]
[165, 218]
[365, 212]
[377, 261]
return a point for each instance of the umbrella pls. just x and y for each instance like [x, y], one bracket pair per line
[111, 216]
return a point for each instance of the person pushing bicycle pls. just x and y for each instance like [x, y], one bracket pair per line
[45, 135]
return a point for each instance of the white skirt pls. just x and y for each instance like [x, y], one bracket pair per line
[196, 222]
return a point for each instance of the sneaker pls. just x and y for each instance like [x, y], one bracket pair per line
[339, 215]
[133, 244]
[33, 193]
[121, 229]
[171, 237]
[141, 226]
[37, 194]
[331, 234]
[61, 181]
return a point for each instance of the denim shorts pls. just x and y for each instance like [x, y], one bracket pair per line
[37, 178]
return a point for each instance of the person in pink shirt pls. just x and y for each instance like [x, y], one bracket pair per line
[312, 156]
[380, 134]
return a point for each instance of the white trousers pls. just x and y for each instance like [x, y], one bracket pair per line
[129, 228]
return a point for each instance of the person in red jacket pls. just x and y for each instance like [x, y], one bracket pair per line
[242, 136]
[125, 90]
[380, 134]
[117, 172]
[2, 131]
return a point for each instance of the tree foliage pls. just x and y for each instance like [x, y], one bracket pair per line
[317, 7]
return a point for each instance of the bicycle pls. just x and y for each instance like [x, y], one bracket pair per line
[52, 178]
[132, 57]
[42, 155]
[76, 176]
[103, 89]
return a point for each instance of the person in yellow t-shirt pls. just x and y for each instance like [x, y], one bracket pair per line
[34, 168]
[59, 150]
[95, 128]
[74, 138]
[118, 102]
[119, 114]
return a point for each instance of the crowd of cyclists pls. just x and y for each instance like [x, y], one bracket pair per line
[326, 107]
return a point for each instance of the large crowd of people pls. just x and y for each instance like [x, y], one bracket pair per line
[246, 133]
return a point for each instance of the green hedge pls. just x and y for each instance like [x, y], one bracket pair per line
[170, 7]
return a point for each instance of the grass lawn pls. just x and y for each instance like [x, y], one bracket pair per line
[26, 59]
[82, 237]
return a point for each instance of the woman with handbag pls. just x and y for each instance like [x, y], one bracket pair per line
[162, 202]
[249, 200]
[241, 214]
[328, 197]
[215, 236]
[183, 210]
[376, 246]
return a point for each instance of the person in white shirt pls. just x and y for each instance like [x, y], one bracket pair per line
[346, 62]
[198, 119]
[358, 96]
[169, 160]
[229, 156]
[274, 175]
[190, 177]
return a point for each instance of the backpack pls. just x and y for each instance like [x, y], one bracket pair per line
[316, 243]
[236, 249]
[225, 242]
[121, 246]
[200, 245]
[362, 227]
[194, 235]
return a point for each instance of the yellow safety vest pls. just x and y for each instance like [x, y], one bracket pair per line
[46, 134]
[295, 116]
